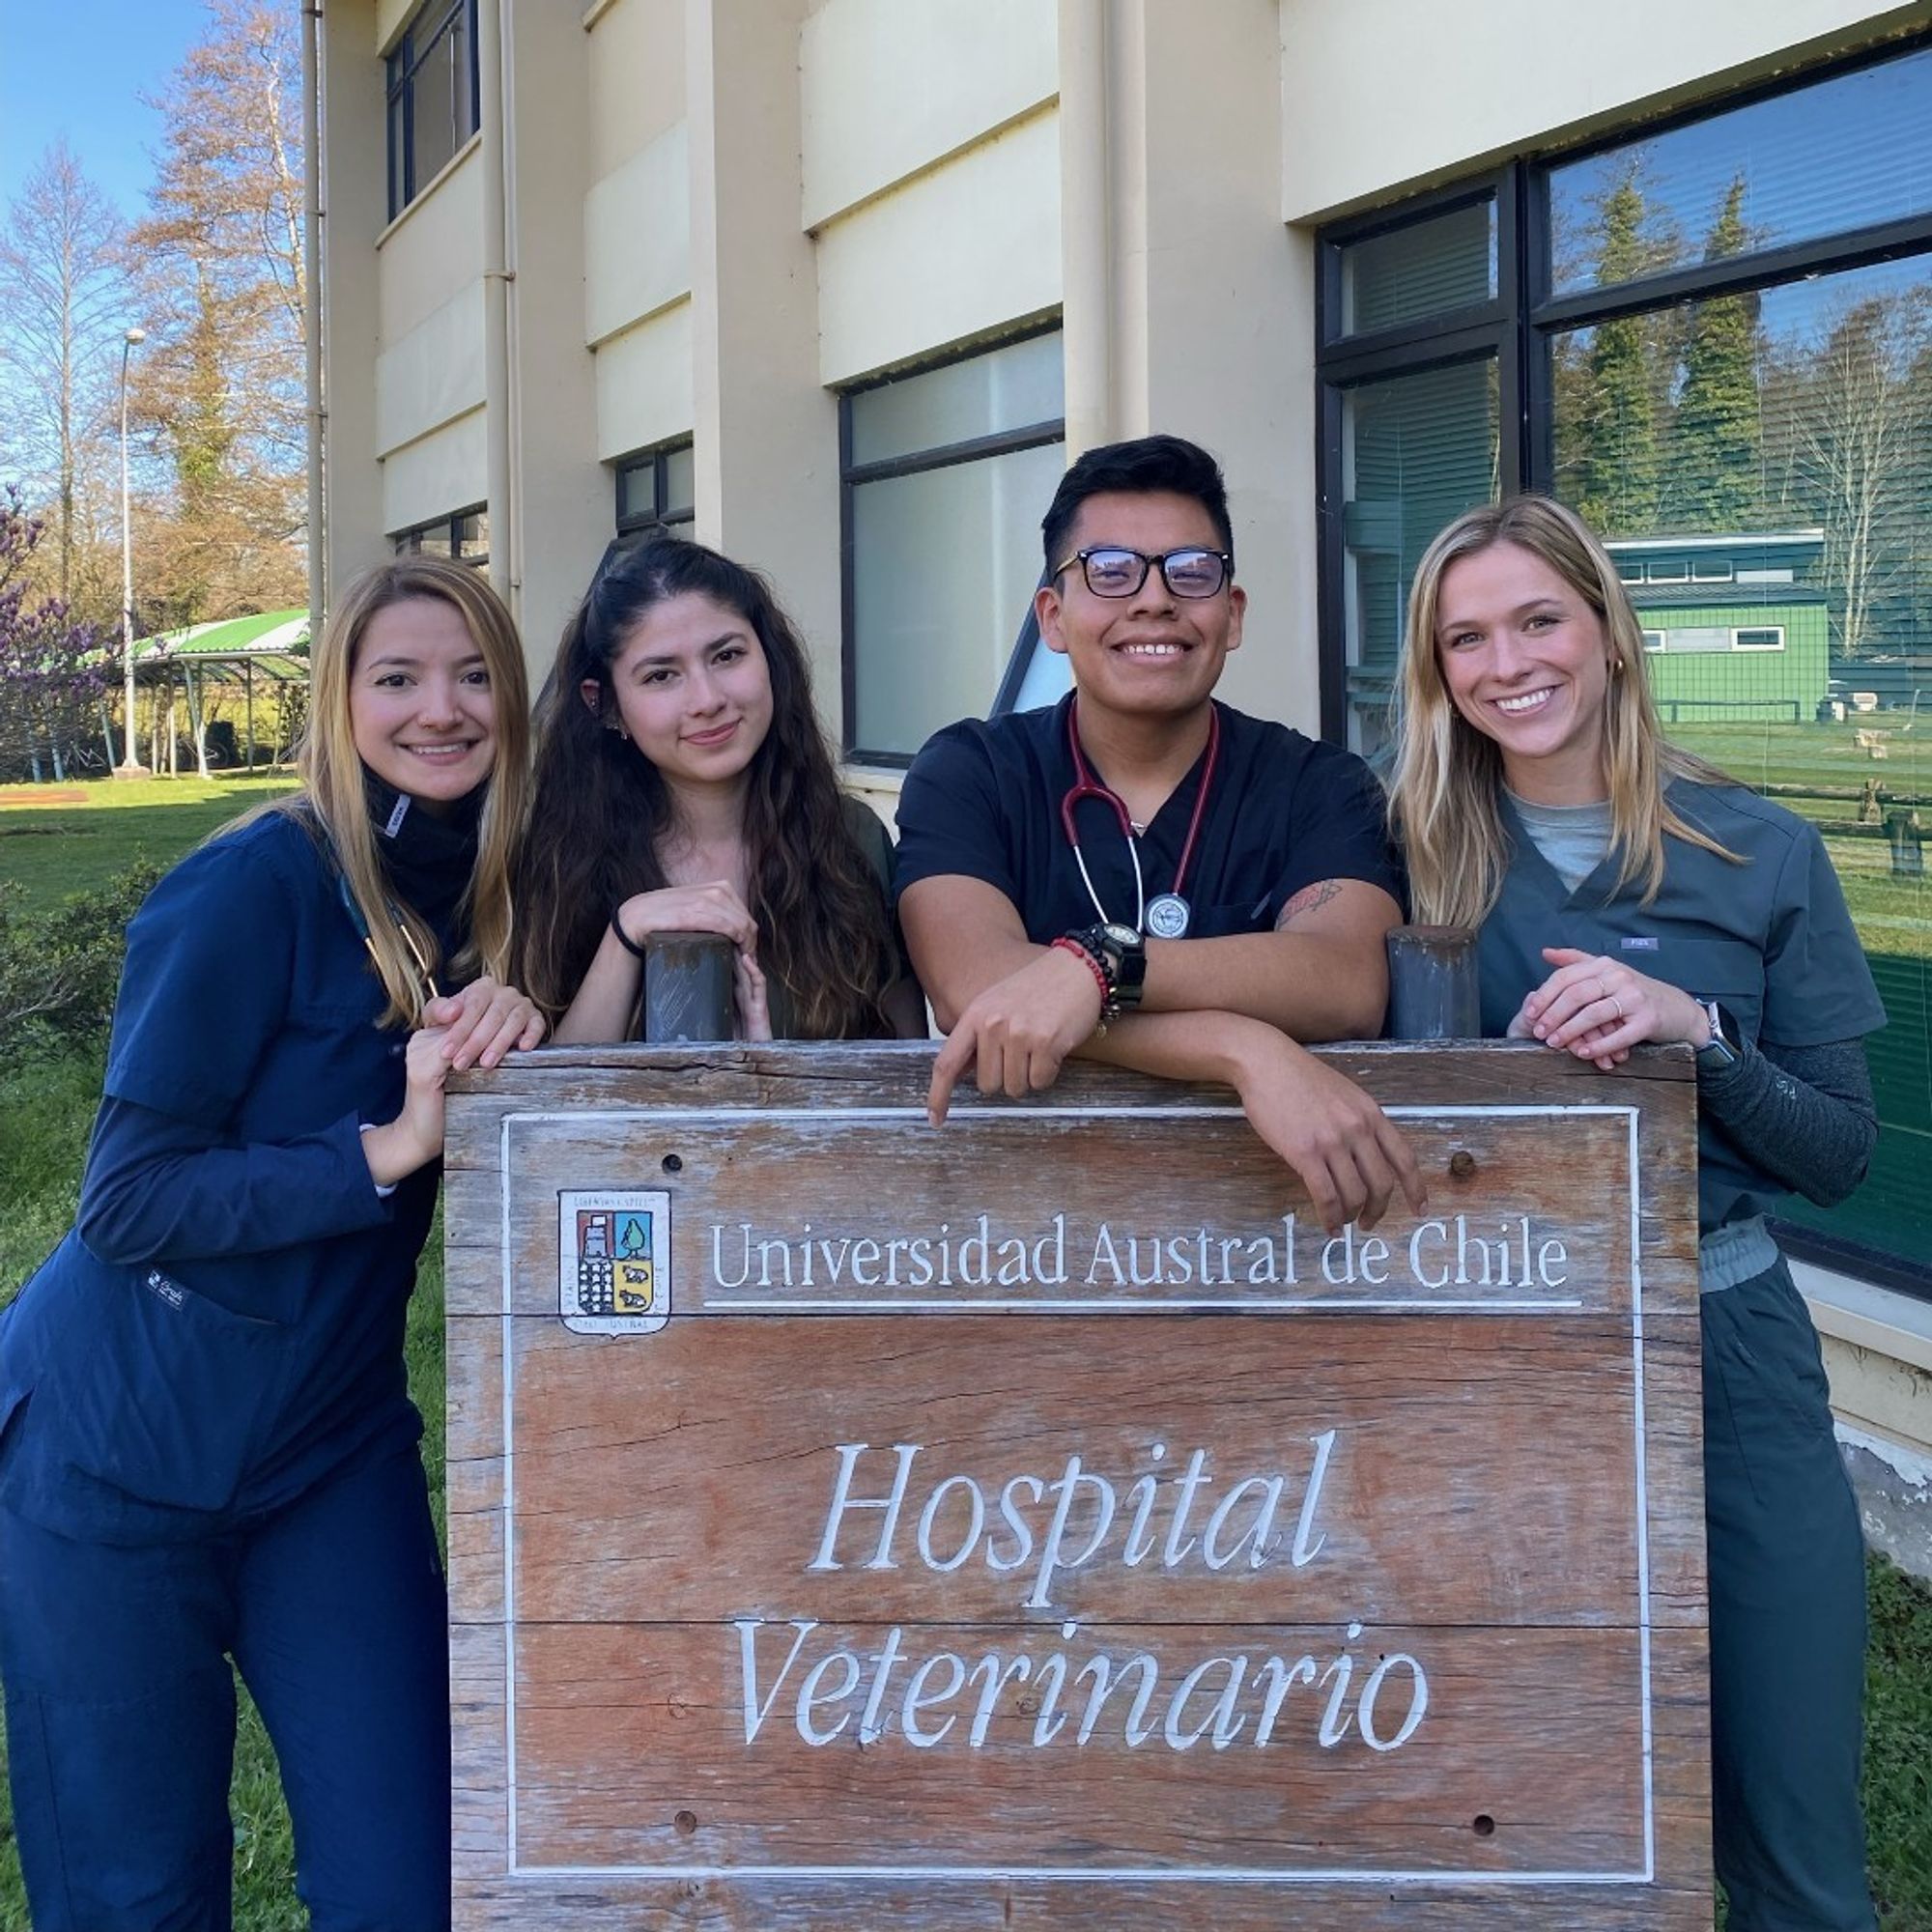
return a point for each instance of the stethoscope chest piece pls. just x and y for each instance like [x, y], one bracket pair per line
[1168, 917]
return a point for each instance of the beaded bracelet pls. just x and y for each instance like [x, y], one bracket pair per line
[1065, 944]
[625, 940]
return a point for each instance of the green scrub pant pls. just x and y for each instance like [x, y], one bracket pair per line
[1787, 1620]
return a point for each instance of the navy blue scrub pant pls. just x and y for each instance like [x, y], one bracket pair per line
[121, 1710]
[1787, 1620]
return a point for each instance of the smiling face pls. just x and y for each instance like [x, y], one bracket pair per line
[1526, 660]
[422, 708]
[693, 690]
[1153, 654]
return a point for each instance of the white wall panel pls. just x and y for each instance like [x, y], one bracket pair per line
[433, 374]
[1380, 94]
[644, 384]
[637, 236]
[391, 18]
[891, 86]
[959, 251]
[434, 251]
[439, 474]
[637, 78]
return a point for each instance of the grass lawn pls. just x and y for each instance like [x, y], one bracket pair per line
[51, 850]
[1893, 915]
[46, 1110]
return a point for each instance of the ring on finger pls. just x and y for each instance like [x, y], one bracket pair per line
[1618, 1003]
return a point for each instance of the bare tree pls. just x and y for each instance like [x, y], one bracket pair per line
[1853, 434]
[63, 306]
[223, 377]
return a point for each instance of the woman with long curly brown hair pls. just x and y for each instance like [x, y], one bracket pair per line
[684, 784]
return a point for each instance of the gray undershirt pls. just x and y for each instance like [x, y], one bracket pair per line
[1802, 1114]
[1572, 838]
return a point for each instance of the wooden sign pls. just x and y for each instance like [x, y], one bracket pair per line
[1041, 1520]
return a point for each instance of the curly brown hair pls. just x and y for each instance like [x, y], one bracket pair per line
[601, 809]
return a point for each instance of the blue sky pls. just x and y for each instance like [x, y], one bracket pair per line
[78, 68]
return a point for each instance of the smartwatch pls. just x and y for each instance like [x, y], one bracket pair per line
[1720, 1050]
[1121, 953]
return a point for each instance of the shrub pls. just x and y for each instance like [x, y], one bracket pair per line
[59, 969]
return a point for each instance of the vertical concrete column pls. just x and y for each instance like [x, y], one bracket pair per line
[501, 480]
[355, 210]
[765, 429]
[1088, 224]
[1214, 300]
[559, 511]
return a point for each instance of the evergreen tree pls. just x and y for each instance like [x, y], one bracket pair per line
[1614, 437]
[1715, 473]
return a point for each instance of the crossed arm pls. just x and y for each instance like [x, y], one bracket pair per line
[1213, 1010]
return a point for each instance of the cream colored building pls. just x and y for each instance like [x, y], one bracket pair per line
[589, 263]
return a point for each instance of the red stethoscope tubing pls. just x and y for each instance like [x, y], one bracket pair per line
[1085, 785]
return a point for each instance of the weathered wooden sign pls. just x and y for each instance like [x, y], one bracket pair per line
[1041, 1520]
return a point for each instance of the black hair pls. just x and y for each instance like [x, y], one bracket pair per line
[1140, 467]
[601, 808]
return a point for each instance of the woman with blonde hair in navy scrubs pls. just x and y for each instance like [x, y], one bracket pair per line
[207, 1448]
[1627, 892]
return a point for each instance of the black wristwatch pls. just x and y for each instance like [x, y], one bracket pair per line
[1121, 953]
[1720, 1050]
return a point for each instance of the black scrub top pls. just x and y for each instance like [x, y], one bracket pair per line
[224, 1327]
[1771, 940]
[982, 801]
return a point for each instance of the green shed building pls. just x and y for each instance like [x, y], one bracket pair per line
[1734, 627]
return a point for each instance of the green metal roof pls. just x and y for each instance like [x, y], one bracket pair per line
[275, 642]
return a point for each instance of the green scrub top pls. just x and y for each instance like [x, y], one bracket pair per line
[1770, 939]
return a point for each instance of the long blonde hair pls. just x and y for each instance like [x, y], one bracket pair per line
[1447, 782]
[334, 808]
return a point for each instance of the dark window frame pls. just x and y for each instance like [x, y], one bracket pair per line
[427, 26]
[940, 456]
[673, 519]
[1518, 330]
[1490, 330]
[410, 542]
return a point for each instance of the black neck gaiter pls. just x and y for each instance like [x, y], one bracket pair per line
[427, 857]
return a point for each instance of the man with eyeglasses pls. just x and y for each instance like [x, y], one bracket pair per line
[1145, 877]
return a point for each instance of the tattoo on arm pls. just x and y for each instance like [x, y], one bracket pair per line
[1308, 899]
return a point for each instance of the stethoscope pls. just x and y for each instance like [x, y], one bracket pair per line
[1167, 916]
[351, 906]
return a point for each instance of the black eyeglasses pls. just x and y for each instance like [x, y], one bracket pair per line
[1111, 572]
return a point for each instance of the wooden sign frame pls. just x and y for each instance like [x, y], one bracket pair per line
[751, 1371]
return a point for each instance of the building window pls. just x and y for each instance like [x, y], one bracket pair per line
[947, 473]
[657, 492]
[1713, 339]
[433, 92]
[464, 536]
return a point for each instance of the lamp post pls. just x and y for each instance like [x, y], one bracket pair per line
[130, 763]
